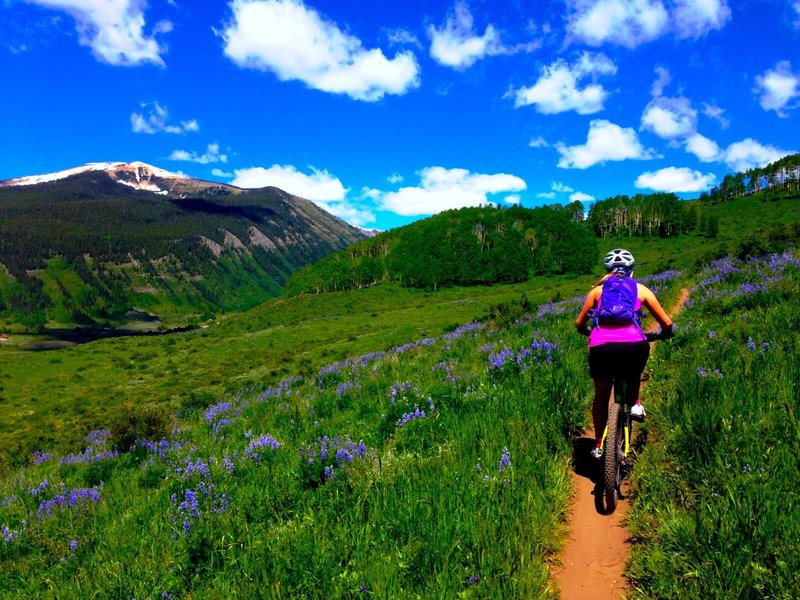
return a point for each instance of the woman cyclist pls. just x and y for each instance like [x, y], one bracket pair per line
[617, 349]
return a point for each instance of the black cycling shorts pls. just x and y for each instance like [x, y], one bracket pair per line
[618, 359]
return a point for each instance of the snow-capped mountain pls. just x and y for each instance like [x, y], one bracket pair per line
[137, 175]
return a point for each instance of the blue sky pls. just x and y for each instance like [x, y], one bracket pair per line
[384, 113]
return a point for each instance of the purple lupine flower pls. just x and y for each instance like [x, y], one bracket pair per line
[8, 535]
[408, 417]
[39, 457]
[263, 441]
[505, 461]
[73, 544]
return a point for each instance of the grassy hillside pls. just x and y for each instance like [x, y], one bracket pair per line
[82, 387]
[439, 467]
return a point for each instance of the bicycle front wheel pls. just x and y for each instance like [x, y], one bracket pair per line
[612, 454]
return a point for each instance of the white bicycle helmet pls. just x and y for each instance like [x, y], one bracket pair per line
[618, 257]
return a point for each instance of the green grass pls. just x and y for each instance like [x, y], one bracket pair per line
[467, 500]
[80, 388]
[717, 513]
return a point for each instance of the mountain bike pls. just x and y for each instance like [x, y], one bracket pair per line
[616, 443]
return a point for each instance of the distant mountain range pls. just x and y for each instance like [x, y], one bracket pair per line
[101, 242]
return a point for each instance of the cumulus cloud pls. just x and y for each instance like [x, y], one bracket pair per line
[605, 141]
[512, 199]
[395, 178]
[114, 30]
[703, 148]
[778, 87]
[156, 121]
[319, 186]
[581, 197]
[443, 189]
[716, 113]
[316, 185]
[457, 45]
[546, 195]
[695, 18]
[630, 23]
[623, 22]
[557, 186]
[211, 155]
[669, 118]
[674, 179]
[750, 154]
[558, 88]
[538, 142]
[295, 42]
[662, 80]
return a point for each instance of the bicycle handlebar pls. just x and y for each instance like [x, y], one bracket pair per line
[650, 336]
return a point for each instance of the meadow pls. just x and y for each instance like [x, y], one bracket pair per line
[399, 443]
[441, 464]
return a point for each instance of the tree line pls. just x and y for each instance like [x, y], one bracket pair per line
[777, 178]
[468, 246]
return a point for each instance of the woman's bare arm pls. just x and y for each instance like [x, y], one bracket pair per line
[654, 306]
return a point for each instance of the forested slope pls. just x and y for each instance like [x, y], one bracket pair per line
[87, 250]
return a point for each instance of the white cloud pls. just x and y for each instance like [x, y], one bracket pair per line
[673, 179]
[703, 148]
[669, 118]
[403, 37]
[295, 42]
[156, 121]
[630, 23]
[457, 45]
[605, 141]
[512, 199]
[778, 87]
[716, 113]
[546, 195]
[538, 142]
[557, 89]
[581, 197]
[220, 173]
[623, 22]
[395, 178]
[560, 187]
[750, 154]
[442, 189]
[319, 186]
[796, 7]
[695, 18]
[211, 155]
[113, 29]
[662, 80]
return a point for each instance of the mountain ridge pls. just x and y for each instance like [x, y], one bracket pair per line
[88, 245]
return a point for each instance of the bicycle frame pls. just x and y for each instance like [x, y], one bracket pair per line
[620, 391]
[615, 451]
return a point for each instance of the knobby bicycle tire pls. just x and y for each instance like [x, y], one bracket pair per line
[611, 454]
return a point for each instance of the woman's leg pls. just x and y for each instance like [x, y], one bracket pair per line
[602, 393]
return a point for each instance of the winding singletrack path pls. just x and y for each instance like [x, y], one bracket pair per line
[593, 560]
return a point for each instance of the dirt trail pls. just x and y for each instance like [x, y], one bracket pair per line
[593, 560]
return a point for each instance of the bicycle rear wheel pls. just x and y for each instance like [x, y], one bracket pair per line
[612, 454]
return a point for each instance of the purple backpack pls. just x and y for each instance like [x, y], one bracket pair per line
[617, 305]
